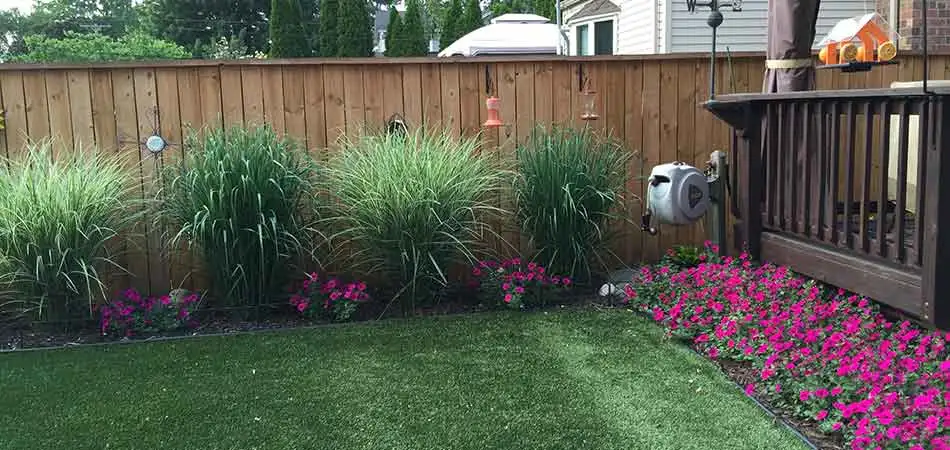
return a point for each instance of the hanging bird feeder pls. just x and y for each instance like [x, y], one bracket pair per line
[492, 104]
[588, 97]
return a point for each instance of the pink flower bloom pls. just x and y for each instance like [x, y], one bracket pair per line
[301, 306]
[749, 389]
[508, 298]
[804, 395]
[821, 415]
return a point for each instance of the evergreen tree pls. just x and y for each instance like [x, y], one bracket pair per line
[287, 34]
[355, 29]
[329, 10]
[471, 18]
[394, 33]
[412, 31]
[451, 23]
[198, 24]
[545, 8]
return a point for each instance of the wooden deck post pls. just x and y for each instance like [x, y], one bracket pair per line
[750, 158]
[936, 285]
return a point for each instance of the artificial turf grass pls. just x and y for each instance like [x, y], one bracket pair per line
[564, 380]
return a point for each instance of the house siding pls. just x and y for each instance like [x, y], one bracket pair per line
[746, 30]
[636, 30]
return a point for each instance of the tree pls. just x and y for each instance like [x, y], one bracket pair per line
[198, 24]
[288, 37]
[393, 33]
[329, 10]
[94, 47]
[471, 18]
[412, 31]
[451, 23]
[545, 8]
[355, 29]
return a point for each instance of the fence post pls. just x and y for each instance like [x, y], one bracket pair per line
[936, 247]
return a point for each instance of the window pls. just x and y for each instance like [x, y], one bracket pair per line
[604, 37]
[582, 40]
[595, 38]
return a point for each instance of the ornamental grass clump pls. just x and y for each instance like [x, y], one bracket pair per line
[58, 217]
[820, 353]
[238, 198]
[569, 184]
[408, 207]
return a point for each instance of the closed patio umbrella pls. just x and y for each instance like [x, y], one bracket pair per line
[791, 33]
[789, 66]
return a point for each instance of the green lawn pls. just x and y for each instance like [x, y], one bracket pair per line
[566, 380]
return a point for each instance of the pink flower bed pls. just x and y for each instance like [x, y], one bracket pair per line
[132, 313]
[819, 352]
[328, 298]
[517, 285]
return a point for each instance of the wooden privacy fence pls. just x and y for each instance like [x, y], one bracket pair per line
[652, 103]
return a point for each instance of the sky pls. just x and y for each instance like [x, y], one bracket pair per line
[22, 5]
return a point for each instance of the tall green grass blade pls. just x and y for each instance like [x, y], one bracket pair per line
[571, 184]
[406, 208]
[238, 199]
[58, 218]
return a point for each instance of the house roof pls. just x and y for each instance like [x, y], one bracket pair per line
[596, 8]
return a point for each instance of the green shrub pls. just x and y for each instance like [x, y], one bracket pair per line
[569, 181]
[87, 47]
[56, 218]
[407, 207]
[237, 199]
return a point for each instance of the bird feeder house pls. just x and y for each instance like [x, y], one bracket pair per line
[492, 105]
[866, 39]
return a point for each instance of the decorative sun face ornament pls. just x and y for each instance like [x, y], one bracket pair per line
[155, 144]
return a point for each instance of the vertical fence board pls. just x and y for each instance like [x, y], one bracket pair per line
[80, 108]
[315, 111]
[651, 137]
[14, 107]
[508, 135]
[252, 87]
[37, 108]
[562, 82]
[373, 92]
[210, 88]
[392, 87]
[469, 99]
[233, 98]
[431, 94]
[412, 94]
[294, 104]
[355, 115]
[103, 111]
[333, 84]
[450, 98]
[147, 114]
[633, 136]
[169, 127]
[60, 122]
[669, 129]
[544, 93]
[189, 102]
[686, 131]
[272, 80]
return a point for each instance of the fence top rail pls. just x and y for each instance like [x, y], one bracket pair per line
[387, 60]
[367, 61]
[827, 95]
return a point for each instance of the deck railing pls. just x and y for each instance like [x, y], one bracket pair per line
[848, 186]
